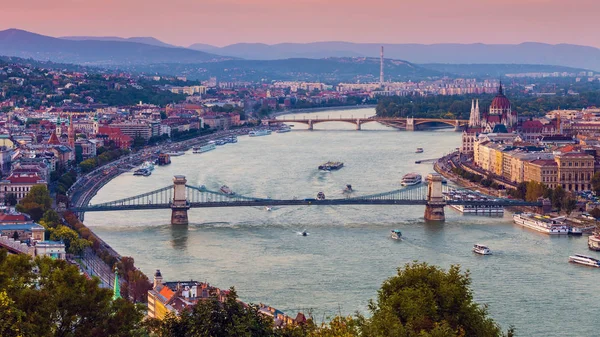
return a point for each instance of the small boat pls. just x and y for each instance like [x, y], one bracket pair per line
[411, 179]
[148, 165]
[419, 150]
[573, 230]
[331, 166]
[176, 153]
[142, 172]
[320, 196]
[284, 129]
[348, 189]
[584, 260]
[220, 142]
[304, 233]
[233, 139]
[396, 234]
[268, 208]
[164, 159]
[481, 249]
[226, 190]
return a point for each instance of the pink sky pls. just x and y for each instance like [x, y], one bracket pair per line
[222, 22]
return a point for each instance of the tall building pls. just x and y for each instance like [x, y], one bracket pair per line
[500, 112]
[381, 78]
[71, 132]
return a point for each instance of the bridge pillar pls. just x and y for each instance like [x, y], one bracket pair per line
[410, 124]
[310, 124]
[434, 209]
[457, 126]
[180, 204]
[358, 125]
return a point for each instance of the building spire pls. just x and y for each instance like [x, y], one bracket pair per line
[117, 287]
[474, 119]
[500, 91]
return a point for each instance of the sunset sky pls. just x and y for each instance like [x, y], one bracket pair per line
[222, 22]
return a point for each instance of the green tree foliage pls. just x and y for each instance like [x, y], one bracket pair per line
[73, 244]
[36, 202]
[596, 183]
[558, 197]
[10, 199]
[535, 190]
[213, 318]
[595, 212]
[46, 298]
[106, 157]
[423, 300]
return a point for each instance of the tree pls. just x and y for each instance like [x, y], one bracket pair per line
[534, 190]
[595, 212]
[213, 318]
[424, 300]
[558, 197]
[73, 244]
[45, 297]
[10, 199]
[569, 204]
[51, 219]
[36, 202]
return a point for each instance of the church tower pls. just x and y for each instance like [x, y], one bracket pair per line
[71, 132]
[474, 118]
[58, 126]
[96, 125]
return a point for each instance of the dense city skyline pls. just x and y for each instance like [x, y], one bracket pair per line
[182, 22]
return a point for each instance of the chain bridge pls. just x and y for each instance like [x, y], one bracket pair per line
[180, 197]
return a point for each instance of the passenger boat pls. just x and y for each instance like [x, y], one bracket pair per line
[419, 150]
[284, 129]
[331, 166]
[481, 249]
[540, 223]
[226, 190]
[584, 260]
[205, 148]
[176, 153]
[148, 165]
[220, 142]
[594, 242]
[396, 234]
[411, 179]
[258, 133]
[455, 196]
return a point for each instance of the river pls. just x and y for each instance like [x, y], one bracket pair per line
[527, 283]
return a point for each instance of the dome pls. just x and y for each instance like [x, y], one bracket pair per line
[500, 102]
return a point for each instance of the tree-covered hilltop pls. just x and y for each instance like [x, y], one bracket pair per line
[45, 297]
[459, 106]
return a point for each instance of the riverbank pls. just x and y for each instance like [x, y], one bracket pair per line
[320, 109]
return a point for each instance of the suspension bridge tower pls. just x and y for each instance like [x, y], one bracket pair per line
[180, 204]
[434, 209]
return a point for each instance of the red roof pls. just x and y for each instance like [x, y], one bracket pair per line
[24, 178]
[53, 139]
[13, 217]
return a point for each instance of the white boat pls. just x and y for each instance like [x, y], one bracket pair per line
[205, 148]
[284, 129]
[147, 165]
[540, 223]
[573, 230]
[268, 208]
[481, 249]
[411, 179]
[176, 154]
[456, 196]
[226, 190]
[258, 133]
[396, 234]
[419, 150]
[594, 242]
[584, 260]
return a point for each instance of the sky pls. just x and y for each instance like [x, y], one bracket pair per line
[223, 22]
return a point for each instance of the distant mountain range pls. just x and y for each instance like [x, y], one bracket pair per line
[14, 42]
[144, 39]
[524, 53]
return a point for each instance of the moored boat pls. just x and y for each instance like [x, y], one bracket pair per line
[258, 133]
[584, 260]
[411, 179]
[284, 129]
[396, 234]
[142, 172]
[176, 153]
[455, 197]
[481, 249]
[164, 159]
[419, 150]
[204, 148]
[148, 165]
[541, 223]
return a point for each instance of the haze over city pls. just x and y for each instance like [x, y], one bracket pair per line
[224, 22]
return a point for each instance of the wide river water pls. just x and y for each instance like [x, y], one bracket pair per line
[527, 283]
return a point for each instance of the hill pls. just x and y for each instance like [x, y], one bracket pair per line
[496, 70]
[145, 40]
[525, 53]
[329, 70]
[14, 42]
